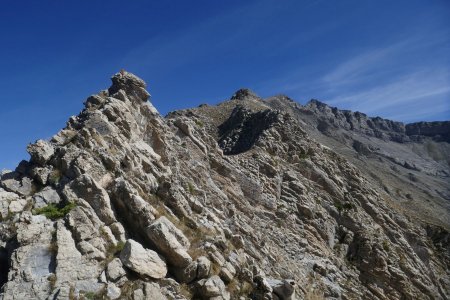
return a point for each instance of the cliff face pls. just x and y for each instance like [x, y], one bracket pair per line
[438, 130]
[233, 201]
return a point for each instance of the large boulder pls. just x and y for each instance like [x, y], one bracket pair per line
[40, 152]
[170, 242]
[47, 196]
[145, 262]
[14, 182]
[85, 187]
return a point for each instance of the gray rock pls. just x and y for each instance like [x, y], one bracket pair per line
[186, 274]
[13, 182]
[115, 270]
[18, 205]
[138, 294]
[86, 188]
[112, 291]
[143, 261]
[47, 196]
[40, 152]
[204, 267]
[283, 289]
[211, 288]
[170, 242]
[153, 292]
[227, 272]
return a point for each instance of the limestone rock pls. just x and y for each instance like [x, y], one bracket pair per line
[204, 267]
[47, 196]
[115, 270]
[40, 152]
[170, 242]
[143, 261]
[212, 288]
[153, 292]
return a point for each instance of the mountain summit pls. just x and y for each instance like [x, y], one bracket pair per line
[259, 199]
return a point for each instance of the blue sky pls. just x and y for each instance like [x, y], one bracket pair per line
[384, 58]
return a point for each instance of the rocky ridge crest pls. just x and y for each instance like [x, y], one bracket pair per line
[234, 201]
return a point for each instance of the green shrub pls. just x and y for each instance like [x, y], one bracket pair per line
[343, 206]
[191, 188]
[114, 250]
[199, 123]
[54, 212]
[385, 245]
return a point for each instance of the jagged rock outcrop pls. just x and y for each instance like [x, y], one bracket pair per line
[234, 201]
[439, 131]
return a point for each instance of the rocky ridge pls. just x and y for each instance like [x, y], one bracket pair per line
[234, 201]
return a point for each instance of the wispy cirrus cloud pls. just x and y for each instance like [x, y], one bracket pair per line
[401, 98]
[394, 80]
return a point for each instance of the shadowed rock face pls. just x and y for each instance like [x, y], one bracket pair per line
[243, 128]
[244, 94]
[4, 266]
[439, 131]
[260, 199]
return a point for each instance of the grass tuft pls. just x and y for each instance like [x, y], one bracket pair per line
[54, 212]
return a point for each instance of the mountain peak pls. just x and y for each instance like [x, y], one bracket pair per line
[129, 83]
[245, 94]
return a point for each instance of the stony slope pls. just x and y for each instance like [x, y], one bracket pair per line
[233, 201]
[412, 169]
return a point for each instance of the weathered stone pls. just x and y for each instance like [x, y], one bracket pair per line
[115, 270]
[143, 261]
[186, 274]
[212, 287]
[13, 182]
[112, 291]
[40, 152]
[283, 289]
[45, 197]
[256, 186]
[18, 205]
[153, 292]
[227, 272]
[170, 242]
[86, 188]
[204, 267]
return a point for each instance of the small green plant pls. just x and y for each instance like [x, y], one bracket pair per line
[90, 295]
[114, 250]
[54, 212]
[191, 188]
[385, 245]
[343, 206]
[52, 280]
[199, 123]
[303, 155]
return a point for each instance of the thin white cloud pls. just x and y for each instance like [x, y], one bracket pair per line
[353, 69]
[416, 87]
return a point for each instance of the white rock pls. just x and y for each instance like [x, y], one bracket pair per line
[115, 270]
[112, 291]
[170, 242]
[143, 261]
